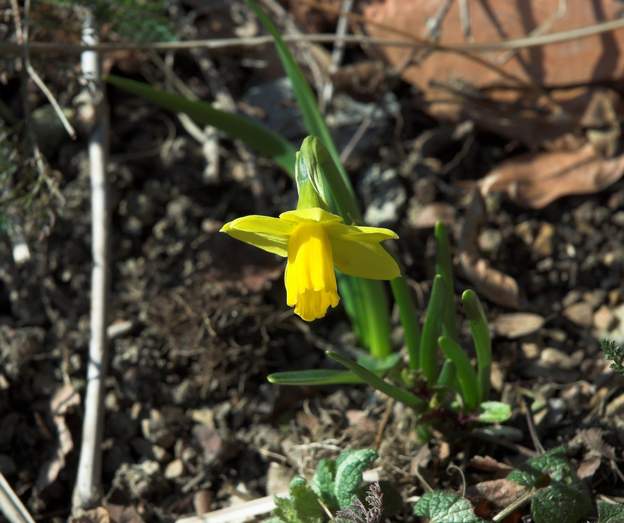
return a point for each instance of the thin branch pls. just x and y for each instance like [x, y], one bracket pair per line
[11, 505]
[337, 53]
[8, 48]
[88, 482]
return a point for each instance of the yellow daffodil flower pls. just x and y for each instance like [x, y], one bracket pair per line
[315, 242]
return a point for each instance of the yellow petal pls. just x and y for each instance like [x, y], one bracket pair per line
[265, 232]
[310, 279]
[315, 214]
[361, 233]
[364, 259]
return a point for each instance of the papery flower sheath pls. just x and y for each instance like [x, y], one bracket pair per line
[315, 242]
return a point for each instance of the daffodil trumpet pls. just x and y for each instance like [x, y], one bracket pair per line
[316, 243]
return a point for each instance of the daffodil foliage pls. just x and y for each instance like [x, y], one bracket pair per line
[317, 242]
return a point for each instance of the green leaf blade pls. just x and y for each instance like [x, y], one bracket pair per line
[255, 135]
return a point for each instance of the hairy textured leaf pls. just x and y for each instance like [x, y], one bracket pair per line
[610, 512]
[349, 468]
[562, 495]
[301, 506]
[323, 481]
[494, 412]
[445, 507]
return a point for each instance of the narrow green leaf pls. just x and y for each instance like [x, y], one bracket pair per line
[314, 377]
[378, 383]
[481, 339]
[409, 320]
[431, 330]
[465, 373]
[444, 266]
[255, 135]
[313, 119]
[445, 507]
[365, 300]
[494, 412]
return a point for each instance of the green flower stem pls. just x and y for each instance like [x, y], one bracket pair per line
[481, 339]
[378, 383]
[371, 316]
[444, 266]
[431, 330]
[465, 373]
[409, 319]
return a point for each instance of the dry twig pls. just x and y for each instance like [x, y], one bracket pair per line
[87, 489]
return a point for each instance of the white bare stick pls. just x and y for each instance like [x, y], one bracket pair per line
[11, 506]
[337, 54]
[88, 489]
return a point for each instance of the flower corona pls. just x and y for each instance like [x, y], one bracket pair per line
[316, 242]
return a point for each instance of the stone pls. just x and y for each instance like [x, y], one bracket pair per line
[517, 324]
[174, 469]
[580, 313]
[615, 297]
[604, 319]
[490, 240]
[555, 358]
[543, 244]
[155, 429]
[384, 195]
[530, 350]
[524, 231]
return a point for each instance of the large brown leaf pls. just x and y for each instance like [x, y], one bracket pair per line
[535, 180]
[454, 85]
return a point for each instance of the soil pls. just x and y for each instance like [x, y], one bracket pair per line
[198, 320]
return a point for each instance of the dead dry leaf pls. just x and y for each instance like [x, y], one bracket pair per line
[64, 399]
[487, 280]
[499, 492]
[123, 514]
[490, 282]
[517, 324]
[427, 216]
[537, 179]
[489, 464]
[505, 96]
